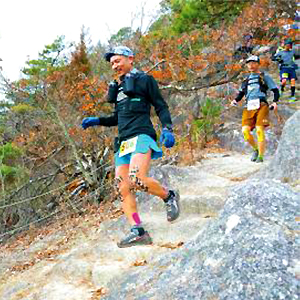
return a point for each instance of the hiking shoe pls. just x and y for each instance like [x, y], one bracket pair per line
[135, 238]
[254, 155]
[259, 159]
[172, 206]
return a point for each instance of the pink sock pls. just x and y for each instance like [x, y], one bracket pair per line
[136, 218]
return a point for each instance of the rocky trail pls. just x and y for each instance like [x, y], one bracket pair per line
[91, 259]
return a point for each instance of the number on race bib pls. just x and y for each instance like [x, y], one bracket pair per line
[285, 75]
[128, 146]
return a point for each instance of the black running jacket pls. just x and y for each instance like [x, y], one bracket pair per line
[132, 113]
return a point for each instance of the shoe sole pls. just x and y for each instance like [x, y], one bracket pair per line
[146, 242]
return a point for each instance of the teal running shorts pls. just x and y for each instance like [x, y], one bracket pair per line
[143, 144]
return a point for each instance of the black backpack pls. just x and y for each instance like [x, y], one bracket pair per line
[262, 83]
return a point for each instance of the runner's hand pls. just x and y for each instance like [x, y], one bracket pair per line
[90, 121]
[167, 138]
[233, 103]
[273, 106]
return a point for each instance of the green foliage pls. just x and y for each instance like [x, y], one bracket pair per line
[203, 127]
[124, 34]
[161, 28]
[8, 152]
[11, 172]
[31, 88]
[189, 15]
[49, 60]
[4, 105]
[8, 172]
[22, 108]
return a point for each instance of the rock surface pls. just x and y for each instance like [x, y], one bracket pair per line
[250, 252]
[285, 165]
[59, 267]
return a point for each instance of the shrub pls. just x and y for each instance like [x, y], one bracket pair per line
[203, 127]
[22, 108]
[9, 151]
[8, 172]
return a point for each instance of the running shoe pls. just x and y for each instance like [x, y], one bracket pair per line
[259, 159]
[135, 238]
[254, 155]
[172, 206]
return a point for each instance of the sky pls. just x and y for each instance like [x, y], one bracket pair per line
[26, 26]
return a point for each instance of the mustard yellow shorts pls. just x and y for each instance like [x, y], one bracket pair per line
[257, 117]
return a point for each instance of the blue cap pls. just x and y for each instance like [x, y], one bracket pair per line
[119, 50]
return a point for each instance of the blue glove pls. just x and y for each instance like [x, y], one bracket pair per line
[90, 121]
[167, 138]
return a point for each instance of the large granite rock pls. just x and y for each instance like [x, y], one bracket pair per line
[250, 252]
[285, 165]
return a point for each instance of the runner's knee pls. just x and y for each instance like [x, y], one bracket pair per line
[246, 133]
[122, 187]
[137, 181]
[260, 133]
[293, 82]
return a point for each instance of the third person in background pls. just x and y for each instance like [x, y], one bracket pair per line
[256, 110]
[287, 67]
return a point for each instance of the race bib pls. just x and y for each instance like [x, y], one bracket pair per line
[285, 75]
[253, 104]
[128, 146]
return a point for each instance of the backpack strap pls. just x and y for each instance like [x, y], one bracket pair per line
[244, 86]
[263, 85]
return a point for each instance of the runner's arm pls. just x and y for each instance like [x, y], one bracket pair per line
[239, 96]
[276, 94]
[272, 86]
[160, 105]
[109, 121]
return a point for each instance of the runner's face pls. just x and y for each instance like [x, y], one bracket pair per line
[287, 47]
[121, 64]
[253, 66]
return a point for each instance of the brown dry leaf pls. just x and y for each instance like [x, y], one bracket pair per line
[237, 178]
[139, 263]
[22, 267]
[98, 293]
[172, 245]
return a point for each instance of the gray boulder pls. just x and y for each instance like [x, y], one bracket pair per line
[285, 165]
[250, 252]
